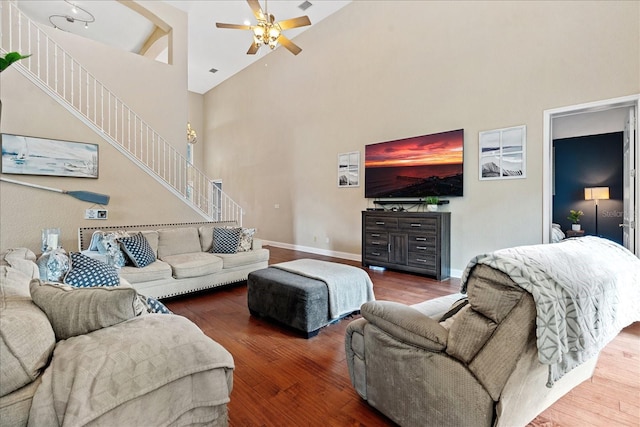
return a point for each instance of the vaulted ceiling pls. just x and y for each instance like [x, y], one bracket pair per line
[111, 22]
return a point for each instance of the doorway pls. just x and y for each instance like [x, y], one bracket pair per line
[589, 119]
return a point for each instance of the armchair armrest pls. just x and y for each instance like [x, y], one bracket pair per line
[406, 324]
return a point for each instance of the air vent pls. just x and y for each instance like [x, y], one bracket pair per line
[213, 70]
[305, 5]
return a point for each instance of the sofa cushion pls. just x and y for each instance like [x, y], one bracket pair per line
[157, 270]
[194, 264]
[492, 292]
[86, 272]
[26, 336]
[206, 237]
[175, 241]
[152, 238]
[138, 250]
[240, 259]
[22, 259]
[226, 240]
[76, 311]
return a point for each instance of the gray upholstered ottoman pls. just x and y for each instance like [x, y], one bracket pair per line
[296, 301]
[307, 294]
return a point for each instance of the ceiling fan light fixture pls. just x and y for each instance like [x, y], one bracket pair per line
[267, 31]
[258, 33]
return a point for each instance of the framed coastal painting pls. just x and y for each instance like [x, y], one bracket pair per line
[349, 169]
[503, 153]
[28, 155]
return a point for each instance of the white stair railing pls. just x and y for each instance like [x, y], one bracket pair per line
[52, 69]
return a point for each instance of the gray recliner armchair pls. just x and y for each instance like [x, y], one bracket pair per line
[445, 362]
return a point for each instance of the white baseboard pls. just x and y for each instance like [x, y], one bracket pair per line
[317, 251]
[343, 255]
[455, 273]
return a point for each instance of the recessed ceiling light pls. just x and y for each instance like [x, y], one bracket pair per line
[305, 5]
[213, 70]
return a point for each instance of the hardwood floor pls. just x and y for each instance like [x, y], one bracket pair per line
[282, 379]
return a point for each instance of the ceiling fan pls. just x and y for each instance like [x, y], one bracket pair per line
[267, 31]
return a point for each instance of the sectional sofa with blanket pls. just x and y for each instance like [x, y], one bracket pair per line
[88, 356]
[183, 258]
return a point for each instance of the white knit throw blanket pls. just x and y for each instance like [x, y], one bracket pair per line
[349, 287]
[585, 289]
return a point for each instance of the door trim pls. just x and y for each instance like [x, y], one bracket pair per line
[547, 150]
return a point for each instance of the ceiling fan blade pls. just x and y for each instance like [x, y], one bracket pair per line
[291, 47]
[300, 21]
[253, 49]
[256, 9]
[233, 26]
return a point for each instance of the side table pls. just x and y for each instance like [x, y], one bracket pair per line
[572, 233]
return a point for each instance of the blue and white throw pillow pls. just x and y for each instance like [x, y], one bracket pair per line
[138, 250]
[226, 240]
[86, 272]
[156, 306]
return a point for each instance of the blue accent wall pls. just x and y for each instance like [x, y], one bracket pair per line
[589, 161]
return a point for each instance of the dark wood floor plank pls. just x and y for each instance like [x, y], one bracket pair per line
[283, 379]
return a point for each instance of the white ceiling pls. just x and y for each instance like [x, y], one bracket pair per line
[208, 47]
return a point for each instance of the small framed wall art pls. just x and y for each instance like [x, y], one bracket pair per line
[28, 155]
[349, 169]
[503, 153]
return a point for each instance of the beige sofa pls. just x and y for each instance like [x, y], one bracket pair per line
[535, 320]
[75, 356]
[184, 262]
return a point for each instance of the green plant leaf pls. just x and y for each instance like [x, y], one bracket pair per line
[10, 58]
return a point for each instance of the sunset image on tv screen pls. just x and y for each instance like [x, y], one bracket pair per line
[428, 165]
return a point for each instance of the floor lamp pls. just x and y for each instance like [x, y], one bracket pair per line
[595, 194]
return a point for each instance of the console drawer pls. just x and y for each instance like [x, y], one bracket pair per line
[380, 254]
[425, 225]
[376, 238]
[423, 246]
[427, 261]
[380, 223]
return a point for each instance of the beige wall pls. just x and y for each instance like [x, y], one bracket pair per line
[156, 91]
[196, 118]
[381, 70]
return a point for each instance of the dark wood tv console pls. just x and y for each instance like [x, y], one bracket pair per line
[416, 242]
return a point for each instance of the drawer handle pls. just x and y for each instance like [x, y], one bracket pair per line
[379, 222]
[421, 239]
[422, 248]
[376, 253]
[375, 235]
[421, 260]
[416, 225]
[375, 243]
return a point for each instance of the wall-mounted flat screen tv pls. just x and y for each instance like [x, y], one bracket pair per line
[427, 165]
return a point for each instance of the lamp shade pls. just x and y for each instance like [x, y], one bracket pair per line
[596, 193]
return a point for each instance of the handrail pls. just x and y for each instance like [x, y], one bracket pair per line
[57, 73]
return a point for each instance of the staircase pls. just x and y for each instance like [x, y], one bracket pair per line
[55, 72]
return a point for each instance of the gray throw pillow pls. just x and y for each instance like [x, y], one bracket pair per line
[226, 240]
[76, 311]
